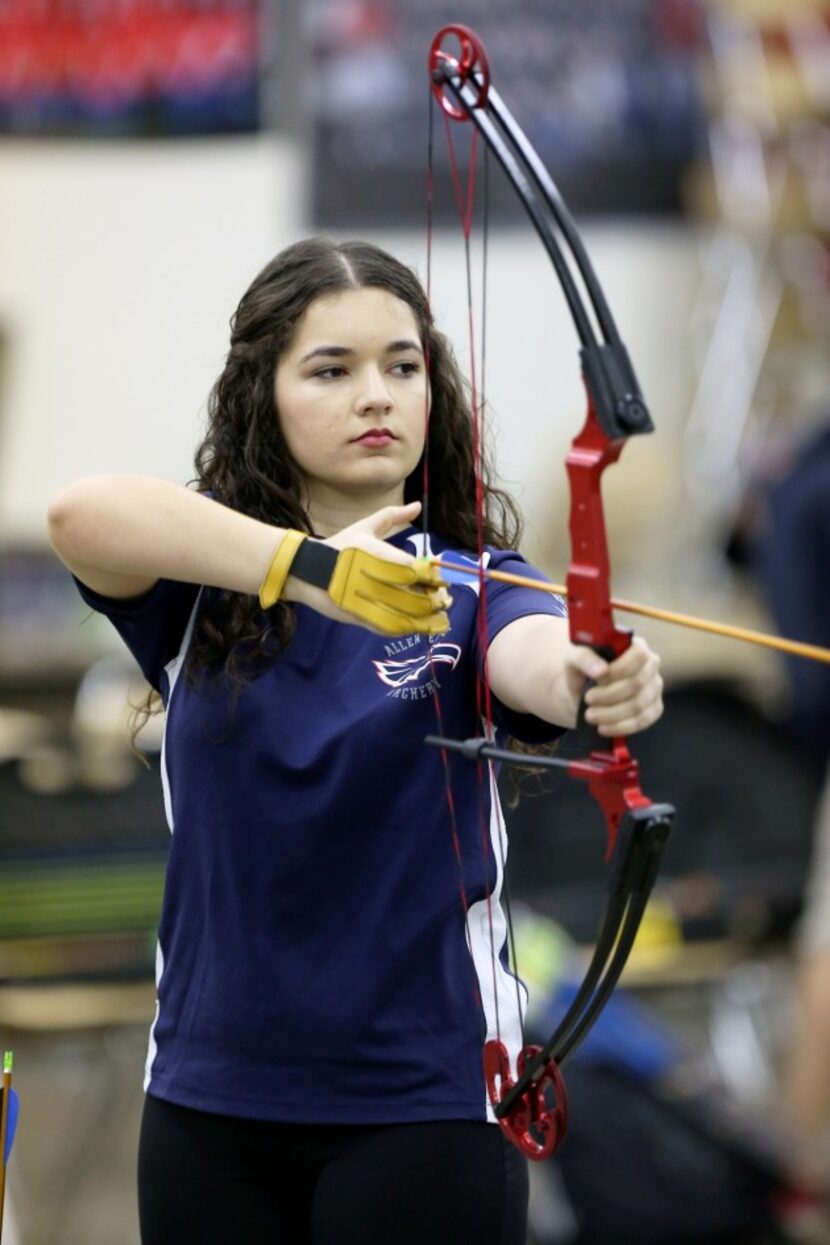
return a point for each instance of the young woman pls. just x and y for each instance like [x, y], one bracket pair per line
[315, 1065]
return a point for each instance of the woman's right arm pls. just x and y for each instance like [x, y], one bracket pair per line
[120, 533]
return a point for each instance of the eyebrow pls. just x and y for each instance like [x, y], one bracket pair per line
[342, 352]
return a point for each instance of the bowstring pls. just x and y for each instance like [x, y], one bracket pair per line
[465, 202]
[501, 829]
[425, 511]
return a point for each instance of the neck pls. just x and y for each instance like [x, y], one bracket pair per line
[331, 514]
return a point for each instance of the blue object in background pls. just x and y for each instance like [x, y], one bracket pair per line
[625, 1036]
[11, 1122]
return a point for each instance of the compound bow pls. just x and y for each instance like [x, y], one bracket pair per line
[530, 1102]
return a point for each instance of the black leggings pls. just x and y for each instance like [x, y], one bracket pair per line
[216, 1180]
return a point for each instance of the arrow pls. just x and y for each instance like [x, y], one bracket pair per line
[8, 1124]
[795, 647]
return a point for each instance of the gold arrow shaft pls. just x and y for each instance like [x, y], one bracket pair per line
[795, 647]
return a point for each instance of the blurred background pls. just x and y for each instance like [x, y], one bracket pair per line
[154, 154]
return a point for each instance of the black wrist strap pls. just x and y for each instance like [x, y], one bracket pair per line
[314, 563]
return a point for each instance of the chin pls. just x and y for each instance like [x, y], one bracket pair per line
[379, 475]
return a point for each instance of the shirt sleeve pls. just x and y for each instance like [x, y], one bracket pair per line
[152, 626]
[505, 604]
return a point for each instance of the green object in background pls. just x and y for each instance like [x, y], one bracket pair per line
[77, 896]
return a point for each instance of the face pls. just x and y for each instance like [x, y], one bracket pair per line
[351, 399]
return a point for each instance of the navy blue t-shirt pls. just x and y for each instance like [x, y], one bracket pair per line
[313, 963]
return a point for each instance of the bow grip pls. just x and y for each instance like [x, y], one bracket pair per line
[591, 619]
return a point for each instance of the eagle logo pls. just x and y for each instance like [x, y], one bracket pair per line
[412, 670]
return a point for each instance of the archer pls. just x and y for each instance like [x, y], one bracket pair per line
[315, 1065]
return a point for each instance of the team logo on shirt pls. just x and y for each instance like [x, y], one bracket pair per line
[414, 678]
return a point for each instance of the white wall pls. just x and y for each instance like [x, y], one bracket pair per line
[120, 266]
[119, 269]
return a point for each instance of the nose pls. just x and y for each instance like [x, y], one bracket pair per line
[373, 394]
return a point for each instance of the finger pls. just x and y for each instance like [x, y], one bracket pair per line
[382, 522]
[634, 724]
[587, 662]
[391, 621]
[423, 577]
[427, 574]
[630, 660]
[386, 606]
[418, 571]
[359, 567]
[620, 690]
[632, 715]
[412, 601]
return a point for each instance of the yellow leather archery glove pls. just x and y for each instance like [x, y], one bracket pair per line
[271, 588]
[394, 598]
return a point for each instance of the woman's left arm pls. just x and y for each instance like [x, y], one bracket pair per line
[534, 668]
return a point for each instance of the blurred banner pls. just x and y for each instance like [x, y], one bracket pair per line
[605, 90]
[122, 68]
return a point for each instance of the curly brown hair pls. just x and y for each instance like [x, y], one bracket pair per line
[244, 461]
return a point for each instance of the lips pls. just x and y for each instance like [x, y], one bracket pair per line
[376, 437]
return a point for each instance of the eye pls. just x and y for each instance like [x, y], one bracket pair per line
[407, 367]
[330, 373]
